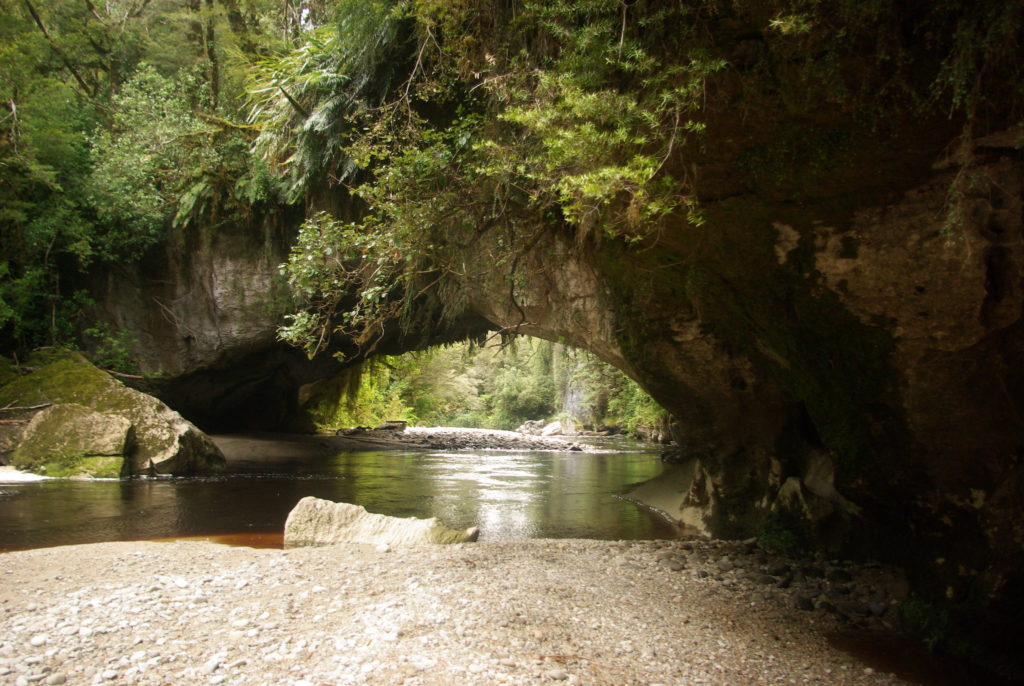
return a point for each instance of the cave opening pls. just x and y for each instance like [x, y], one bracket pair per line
[519, 382]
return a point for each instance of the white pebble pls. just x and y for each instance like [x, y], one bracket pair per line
[38, 640]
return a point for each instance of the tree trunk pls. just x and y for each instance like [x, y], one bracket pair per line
[211, 55]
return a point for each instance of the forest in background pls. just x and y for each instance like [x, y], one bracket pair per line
[125, 120]
[493, 387]
[122, 120]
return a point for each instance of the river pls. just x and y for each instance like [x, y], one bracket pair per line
[507, 494]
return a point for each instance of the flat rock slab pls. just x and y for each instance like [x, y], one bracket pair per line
[314, 521]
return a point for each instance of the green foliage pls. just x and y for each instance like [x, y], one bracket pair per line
[116, 123]
[140, 160]
[348, 259]
[163, 162]
[610, 398]
[113, 349]
[927, 621]
[367, 396]
[44, 216]
[490, 387]
[446, 386]
[306, 101]
[584, 135]
[594, 128]
[519, 386]
[784, 534]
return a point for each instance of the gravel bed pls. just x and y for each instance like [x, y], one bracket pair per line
[452, 438]
[513, 612]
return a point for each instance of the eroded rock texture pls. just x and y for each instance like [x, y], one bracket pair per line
[842, 353]
[852, 375]
[852, 369]
[204, 309]
[315, 521]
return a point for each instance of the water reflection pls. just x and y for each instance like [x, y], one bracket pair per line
[508, 495]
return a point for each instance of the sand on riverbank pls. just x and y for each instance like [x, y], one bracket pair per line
[519, 612]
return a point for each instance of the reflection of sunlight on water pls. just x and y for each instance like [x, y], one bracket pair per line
[498, 521]
[515, 495]
[507, 494]
[484, 478]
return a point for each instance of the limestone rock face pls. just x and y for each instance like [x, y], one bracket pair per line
[70, 439]
[853, 366]
[868, 317]
[162, 441]
[314, 521]
[204, 312]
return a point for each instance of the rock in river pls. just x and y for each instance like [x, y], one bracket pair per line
[72, 438]
[315, 521]
[152, 436]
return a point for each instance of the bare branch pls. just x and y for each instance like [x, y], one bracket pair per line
[10, 408]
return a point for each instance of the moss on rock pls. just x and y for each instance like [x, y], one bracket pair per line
[70, 440]
[164, 442]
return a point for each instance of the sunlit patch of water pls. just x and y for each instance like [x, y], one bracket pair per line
[507, 494]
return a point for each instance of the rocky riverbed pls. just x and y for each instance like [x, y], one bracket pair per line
[519, 612]
[258, 447]
[451, 438]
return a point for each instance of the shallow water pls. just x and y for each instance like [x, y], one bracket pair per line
[508, 495]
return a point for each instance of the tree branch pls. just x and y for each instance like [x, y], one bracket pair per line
[10, 408]
[93, 10]
[53, 45]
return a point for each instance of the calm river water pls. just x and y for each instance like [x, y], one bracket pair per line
[507, 494]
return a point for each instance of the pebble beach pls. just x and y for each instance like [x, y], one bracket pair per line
[516, 612]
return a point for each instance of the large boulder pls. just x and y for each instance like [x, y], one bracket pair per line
[314, 521]
[72, 440]
[162, 442]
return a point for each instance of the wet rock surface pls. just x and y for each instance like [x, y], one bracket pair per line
[519, 612]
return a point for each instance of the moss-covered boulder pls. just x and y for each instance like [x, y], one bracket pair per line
[72, 440]
[162, 442]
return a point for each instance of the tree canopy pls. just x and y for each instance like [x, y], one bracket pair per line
[121, 120]
[124, 119]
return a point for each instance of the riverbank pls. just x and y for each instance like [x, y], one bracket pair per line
[271, 447]
[518, 612]
[257, 447]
